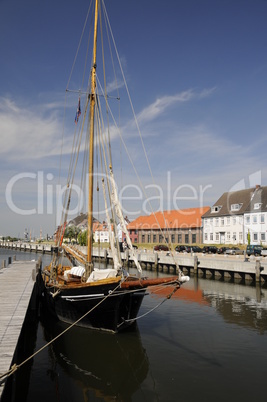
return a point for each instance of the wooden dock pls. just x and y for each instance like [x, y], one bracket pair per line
[16, 287]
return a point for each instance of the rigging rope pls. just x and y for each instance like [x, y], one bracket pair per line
[15, 367]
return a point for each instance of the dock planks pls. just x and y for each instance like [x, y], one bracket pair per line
[16, 286]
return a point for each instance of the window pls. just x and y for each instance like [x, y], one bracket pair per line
[217, 237]
[222, 221]
[206, 236]
[228, 220]
[160, 238]
[194, 238]
[257, 205]
[216, 208]
[154, 238]
[143, 238]
[228, 236]
[216, 221]
[179, 238]
[247, 219]
[234, 220]
[234, 236]
[236, 207]
[148, 238]
[186, 238]
[254, 218]
[240, 237]
[255, 236]
[211, 236]
[262, 218]
[173, 238]
[262, 236]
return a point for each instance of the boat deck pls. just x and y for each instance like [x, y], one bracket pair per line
[16, 286]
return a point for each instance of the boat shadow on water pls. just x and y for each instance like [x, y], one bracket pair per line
[108, 366]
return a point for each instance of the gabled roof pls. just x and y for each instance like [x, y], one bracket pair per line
[258, 202]
[174, 219]
[238, 202]
[80, 220]
[101, 227]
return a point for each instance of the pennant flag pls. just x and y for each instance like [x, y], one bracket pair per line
[78, 113]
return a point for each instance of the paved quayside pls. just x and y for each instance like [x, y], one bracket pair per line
[16, 287]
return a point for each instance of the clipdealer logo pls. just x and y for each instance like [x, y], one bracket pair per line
[136, 200]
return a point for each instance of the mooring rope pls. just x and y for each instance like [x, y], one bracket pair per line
[154, 308]
[15, 367]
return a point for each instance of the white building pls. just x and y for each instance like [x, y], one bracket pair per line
[101, 233]
[236, 214]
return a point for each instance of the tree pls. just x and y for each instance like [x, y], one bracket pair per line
[248, 237]
[82, 238]
[69, 232]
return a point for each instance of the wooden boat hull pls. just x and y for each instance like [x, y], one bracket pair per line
[100, 310]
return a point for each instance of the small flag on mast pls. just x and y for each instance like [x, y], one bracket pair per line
[78, 113]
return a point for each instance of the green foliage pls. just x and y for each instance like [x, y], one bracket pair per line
[248, 237]
[71, 232]
[82, 238]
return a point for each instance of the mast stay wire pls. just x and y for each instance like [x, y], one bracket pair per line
[142, 142]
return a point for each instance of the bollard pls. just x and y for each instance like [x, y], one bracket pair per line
[195, 265]
[258, 271]
[126, 257]
[156, 261]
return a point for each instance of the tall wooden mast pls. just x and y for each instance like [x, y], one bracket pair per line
[91, 143]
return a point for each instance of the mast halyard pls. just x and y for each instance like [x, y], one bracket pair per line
[91, 148]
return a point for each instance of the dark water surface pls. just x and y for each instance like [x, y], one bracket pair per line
[207, 343]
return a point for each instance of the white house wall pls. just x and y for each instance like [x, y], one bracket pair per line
[223, 230]
[256, 224]
[234, 229]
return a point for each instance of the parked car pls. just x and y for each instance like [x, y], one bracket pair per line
[161, 247]
[210, 249]
[180, 248]
[195, 249]
[234, 251]
[254, 250]
[222, 250]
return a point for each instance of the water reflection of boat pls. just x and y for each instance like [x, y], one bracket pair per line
[105, 365]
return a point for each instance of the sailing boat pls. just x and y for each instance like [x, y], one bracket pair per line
[106, 299]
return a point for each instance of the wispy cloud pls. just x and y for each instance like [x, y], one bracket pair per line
[158, 107]
[30, 132]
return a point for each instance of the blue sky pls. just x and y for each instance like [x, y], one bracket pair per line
[196, 71]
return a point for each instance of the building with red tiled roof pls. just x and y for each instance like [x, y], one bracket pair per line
[177, 226]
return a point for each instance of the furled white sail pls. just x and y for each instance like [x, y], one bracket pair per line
[117, 206]
[116, 260]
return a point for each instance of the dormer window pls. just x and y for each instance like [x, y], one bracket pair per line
[257, 205]
[216, 208]
[236, 207]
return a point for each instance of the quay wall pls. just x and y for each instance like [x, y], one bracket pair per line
[202, 265]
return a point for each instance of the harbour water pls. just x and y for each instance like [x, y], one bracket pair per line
[208, 342]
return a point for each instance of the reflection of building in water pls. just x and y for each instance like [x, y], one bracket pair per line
[241, 305]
